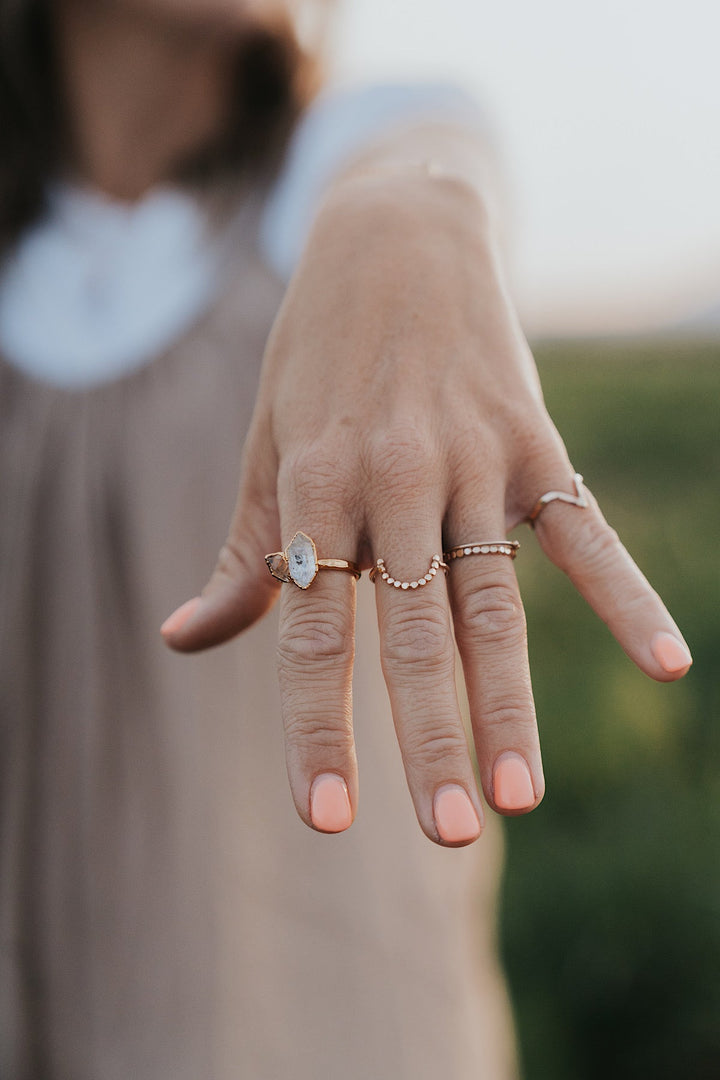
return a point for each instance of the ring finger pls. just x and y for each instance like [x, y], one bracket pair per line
[490, 631]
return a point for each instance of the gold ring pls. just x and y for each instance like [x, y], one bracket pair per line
[299, 562]
[483, 547]
[379, 568]
[575, 500]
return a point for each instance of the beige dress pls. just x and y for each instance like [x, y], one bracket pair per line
[164, 913]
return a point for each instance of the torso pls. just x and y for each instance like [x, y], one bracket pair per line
[163, 910]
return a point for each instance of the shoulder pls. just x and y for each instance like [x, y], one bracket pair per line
[351, 110]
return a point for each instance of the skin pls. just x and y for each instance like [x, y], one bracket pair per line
[399, 413]
[146, 82]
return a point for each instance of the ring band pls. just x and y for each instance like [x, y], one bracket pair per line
[483, 547]
[551, 496]
[299, 562]
[380, 569]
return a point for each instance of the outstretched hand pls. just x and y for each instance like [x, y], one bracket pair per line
[399, 415]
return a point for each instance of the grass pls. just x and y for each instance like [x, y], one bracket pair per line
[610, 915]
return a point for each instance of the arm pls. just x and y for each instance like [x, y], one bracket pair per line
[400, 414]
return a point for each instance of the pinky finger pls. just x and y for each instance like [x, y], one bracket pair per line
[582, 544]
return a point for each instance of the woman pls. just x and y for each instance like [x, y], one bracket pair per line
[164, 914]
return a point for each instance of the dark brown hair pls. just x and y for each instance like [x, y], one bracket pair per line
[274, 80]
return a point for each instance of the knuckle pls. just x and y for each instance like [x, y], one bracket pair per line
[417, 640]
[232, 562]
[428, 746]
[598, 544]
[323, 734]
[400, 453]
[532, 446]
[634, 598]
[316, 473]
[513, 720]
[308, 639]
[478, 453]
[491, 613]
[531, 432]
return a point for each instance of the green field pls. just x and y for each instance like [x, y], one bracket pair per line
[610, 914]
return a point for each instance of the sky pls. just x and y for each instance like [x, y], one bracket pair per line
[609, 118]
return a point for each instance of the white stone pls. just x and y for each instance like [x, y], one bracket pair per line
[302, 560]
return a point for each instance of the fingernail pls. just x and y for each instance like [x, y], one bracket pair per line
[671, 654]
[455, 816]
[177, 620]
[512, 783]
[330, 808]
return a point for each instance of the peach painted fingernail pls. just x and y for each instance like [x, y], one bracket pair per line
[455, 816]
[330, 808]
[512, 783]
[671, 654]
[177, 620]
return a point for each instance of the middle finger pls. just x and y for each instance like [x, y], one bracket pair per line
[418, 660]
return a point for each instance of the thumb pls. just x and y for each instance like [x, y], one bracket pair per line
[240, 589]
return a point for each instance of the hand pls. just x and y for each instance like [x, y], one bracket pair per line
[400, 414]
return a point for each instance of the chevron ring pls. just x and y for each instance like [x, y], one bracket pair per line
[561, 496]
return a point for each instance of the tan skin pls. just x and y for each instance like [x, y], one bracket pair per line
[399, 413]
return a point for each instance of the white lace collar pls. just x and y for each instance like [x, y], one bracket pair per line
[97, 287]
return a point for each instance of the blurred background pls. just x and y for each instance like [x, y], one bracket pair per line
[608, 118]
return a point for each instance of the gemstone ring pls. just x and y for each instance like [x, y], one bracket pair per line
[299, 562]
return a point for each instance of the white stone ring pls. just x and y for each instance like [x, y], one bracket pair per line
[299, 562]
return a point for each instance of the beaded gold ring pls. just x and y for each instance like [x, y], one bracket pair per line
[483, 547]
[379, 570]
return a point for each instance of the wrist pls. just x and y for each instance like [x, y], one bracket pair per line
[417, 205]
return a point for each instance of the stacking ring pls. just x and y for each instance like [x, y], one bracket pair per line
[299, 562]
[483, 547]
[379, 569]
[550, 496]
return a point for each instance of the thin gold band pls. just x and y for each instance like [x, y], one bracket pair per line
[340, 564]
